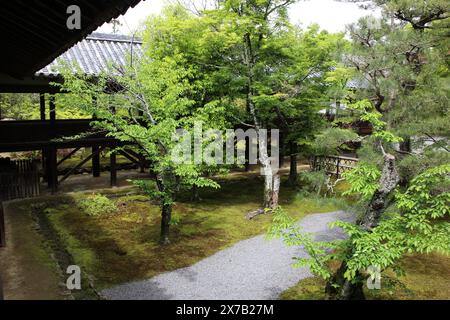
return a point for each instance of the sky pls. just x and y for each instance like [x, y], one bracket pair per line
[330, 15]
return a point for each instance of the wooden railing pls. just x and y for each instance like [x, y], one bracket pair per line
[28, 135]
[333, 165]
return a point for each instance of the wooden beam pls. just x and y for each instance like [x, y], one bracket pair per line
[139, 157]
[129, 157]
[68, 156]
[79, 165]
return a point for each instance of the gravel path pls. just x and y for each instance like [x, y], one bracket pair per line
[253, 269]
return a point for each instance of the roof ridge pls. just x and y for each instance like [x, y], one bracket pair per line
[113, 37]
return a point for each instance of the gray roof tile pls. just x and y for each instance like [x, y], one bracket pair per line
[95, 53]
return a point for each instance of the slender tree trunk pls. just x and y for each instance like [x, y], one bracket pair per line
[351, 290]
[345, 290]
[271, 191]
[271, 178]
[166, 211]
[405, 146]
[195, 195]
[271, 182]
[293, 174]
[166, 215]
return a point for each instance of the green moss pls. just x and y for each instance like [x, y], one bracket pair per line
[122, 247]
[306, 289]
[427, 276]
[28, 268]
[97, 204]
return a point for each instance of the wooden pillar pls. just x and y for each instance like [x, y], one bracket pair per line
[95, 162]
[44, 151]
[52, 169]
[44, 165]
[51, 156]
[113, 169]
[42, 105]
[52, 108]
[96, 154]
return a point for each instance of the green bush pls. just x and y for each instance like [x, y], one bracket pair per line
[97, 204]
[313, 181]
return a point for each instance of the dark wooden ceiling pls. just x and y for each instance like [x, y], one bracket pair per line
[34, 32]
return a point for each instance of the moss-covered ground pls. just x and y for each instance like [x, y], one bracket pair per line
[123, 246]
[427, 277]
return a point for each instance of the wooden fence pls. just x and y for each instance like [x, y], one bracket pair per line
[333, 165]
[18, 179]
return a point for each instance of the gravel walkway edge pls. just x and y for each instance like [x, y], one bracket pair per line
[252, 269]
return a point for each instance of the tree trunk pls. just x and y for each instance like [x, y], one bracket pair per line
[195, 195]
[271, 191]
[293, 164]
[166, 215]
[271, 183]
[405, 147]
[166, 210]
[352, 290]
[345, 290]
[271, 178]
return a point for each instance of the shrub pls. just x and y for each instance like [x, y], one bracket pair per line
[97, 204]
[313, 181]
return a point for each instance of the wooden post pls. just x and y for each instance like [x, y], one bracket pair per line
[52, 110]
[42, 105]
[44, 165]
[338, 161]
[95, 149]
[52, 169]
[44, 151]
[95, 162]
[113, 169]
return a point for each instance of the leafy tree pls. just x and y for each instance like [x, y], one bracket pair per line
[259, 69]
[19, 106]
[416, 222]
[153, 98]
[255, 29]
[302, 87]
[402, 62]
[270, 74]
